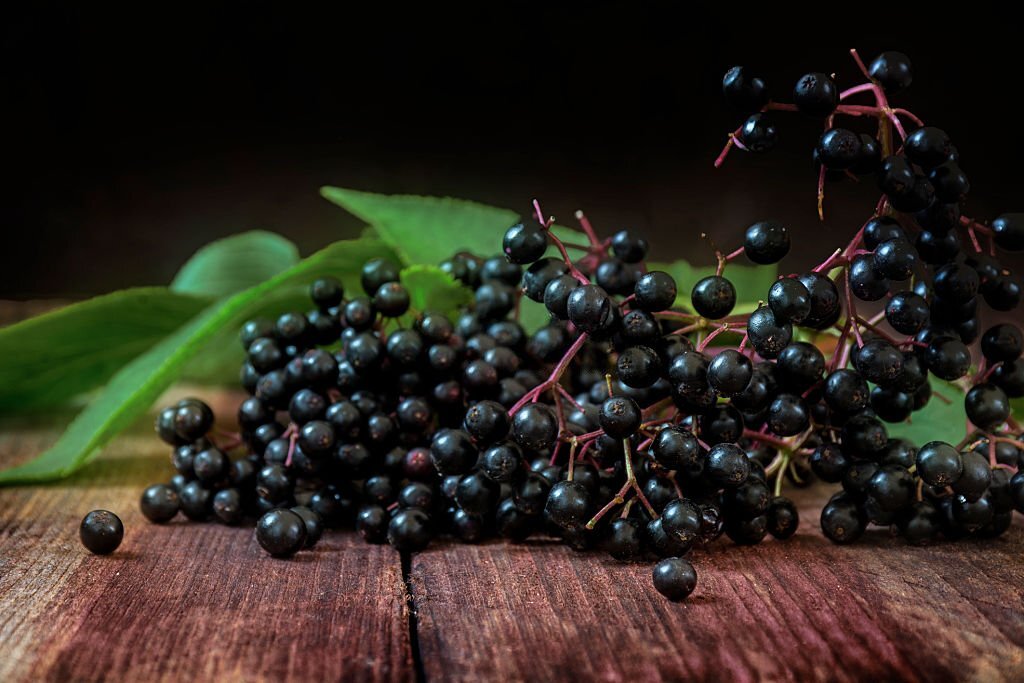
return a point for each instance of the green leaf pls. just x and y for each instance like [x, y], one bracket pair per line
[752, 282]
[432, 289]
[132, 390]
[941, 419]
[234, 263]
[431, 229]
[54, 357]
[533, 315]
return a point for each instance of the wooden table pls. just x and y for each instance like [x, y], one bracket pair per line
[190, 601]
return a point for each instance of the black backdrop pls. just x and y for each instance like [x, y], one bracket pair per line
[133, 136]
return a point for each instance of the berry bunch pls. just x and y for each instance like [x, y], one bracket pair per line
[640, 419]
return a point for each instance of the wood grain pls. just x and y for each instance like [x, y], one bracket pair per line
[802, 609]
[182, 601]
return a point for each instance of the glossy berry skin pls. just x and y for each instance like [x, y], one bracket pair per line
[894, 259]
[947, 358]
[682, 520]
[727, 465]
[1002, 342]
[865, 282]
[675, 578]
[524, 243]
[939, 464]
[713, 297]
[281, 532]
[538, 276]
[1008, 231]
[879, 361]
[758, 134]
[907, 312]
[639, 366]
[956, 283]
[227, 506]
[789, 300]
[677, 449]
[743, 90]
[192, 419]
[377, 272]
[587, 307]
[487, 422]
[800, 366]
[729, 372]
[788, 415]
[409, 530]
[783, 518]
[825, 303]
[101, 532]
[841, 520]
[452, 452]
[815, 94]
[892, 70]
[619, 417]
[766, 242]
[839, 149]
[768, 336]
[987, 406]
[159, 503]
[655, 291]
[568, 504]
[629, 248]
[314, 524]
[535, 427]
[928, 146]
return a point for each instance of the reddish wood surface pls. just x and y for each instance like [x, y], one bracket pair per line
[802, 609]
[182, 601]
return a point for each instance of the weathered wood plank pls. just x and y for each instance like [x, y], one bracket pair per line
[183, 601]
[803, 609]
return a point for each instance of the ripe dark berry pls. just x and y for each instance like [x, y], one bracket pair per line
[655, 291]
[816, 94]
[894, 259]
[896, 179]
[487, 422]
[452, 452]
[210, 466]
[159, 503]
[865, 282]
[766, 242]
[713, 297]
[227, 506]
[524, 243]
[758, 134]
[744, 91]
[101, 532]
[882, 229]
[730, 372]
[535, 427]
[892, 70]
[326, 292]
[377, 272]
[788, 415]
[987, 406]
[1008, 230]
[907, 312]
[839, 149]
[789, 300]
[682, 520]
[928, 146]
[956, 283]
[727, 465]
[502, 462]
[568, 504]
[539, 275]
[675, 578]
[879, 361]
[1002, 342]
[766, 335]
[477, 493]
[195, 501]
[556, 295]
[391, 299]
[629, 248]
[587, 307]
[947, 358]
[314, 524]
[825, 307]
[841, 520]
[281, 532]
[949, 181]
[675, 448]
[619, 417]
[783, 518]
[939, 464]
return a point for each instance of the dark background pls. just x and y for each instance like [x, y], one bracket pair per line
[132, 137]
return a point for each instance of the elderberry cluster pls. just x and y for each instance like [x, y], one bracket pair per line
[924, 262]
[646, 417]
